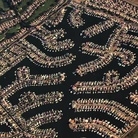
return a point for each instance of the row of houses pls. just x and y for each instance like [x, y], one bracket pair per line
[7, 14]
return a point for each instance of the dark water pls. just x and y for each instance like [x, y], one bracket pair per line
[62, 125]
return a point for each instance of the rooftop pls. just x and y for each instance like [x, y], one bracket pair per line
[134, 2]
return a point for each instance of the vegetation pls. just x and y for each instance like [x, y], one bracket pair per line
[23, 5]
[14, 29]
[2, 36]
[3, 5]
[9, 32]
[42, 9]
[133, 134]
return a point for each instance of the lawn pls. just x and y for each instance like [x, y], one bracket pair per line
[14, 29]
[133, 134]
[2, 36]
[3, 5]
[42, 9]
[37, 13]
[23, 5]
[9, 32]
